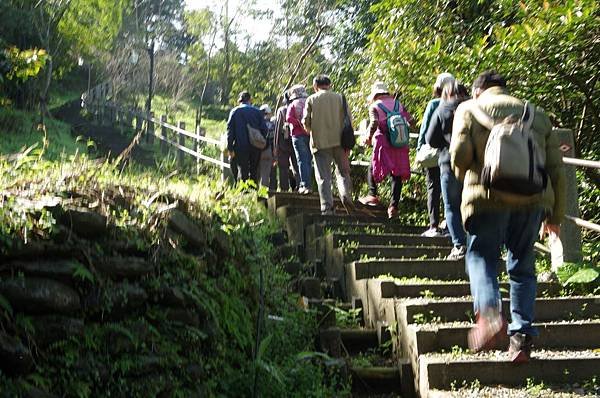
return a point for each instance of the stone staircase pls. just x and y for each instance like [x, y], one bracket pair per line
[416, 311]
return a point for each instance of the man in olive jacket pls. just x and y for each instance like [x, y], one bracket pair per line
[494, 219]
[324, 120]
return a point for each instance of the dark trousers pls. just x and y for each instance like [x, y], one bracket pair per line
[285, 159]
[434, 192]
[396, 187]
[247, 164]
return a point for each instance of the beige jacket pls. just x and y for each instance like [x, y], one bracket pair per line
[324, 119]
[467, 150]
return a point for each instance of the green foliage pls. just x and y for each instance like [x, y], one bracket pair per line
[152, 350]
[24, 64]
[579, 278]
[18, 130]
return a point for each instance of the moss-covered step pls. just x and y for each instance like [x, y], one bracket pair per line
[358, 229]
[400, 268]
[359, 340]
[296, 221]
[552, 335]
[443, 371]
[376, 380]
[416, 287]
[386, 239]
[461, 309]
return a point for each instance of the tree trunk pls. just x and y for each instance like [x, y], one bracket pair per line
[150, 78]
[45, 90]
[226, 81]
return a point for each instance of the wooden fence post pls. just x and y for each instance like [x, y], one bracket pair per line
[139, 121]
[181, 140]
[150, 128]
[163, 133]
[200, 133]
[570, 233]
[120, 119]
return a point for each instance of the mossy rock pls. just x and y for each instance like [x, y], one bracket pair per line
[15, 358]
[124, 267]
[84, 222]
[61, 270]
[40, 296]
[52, 328]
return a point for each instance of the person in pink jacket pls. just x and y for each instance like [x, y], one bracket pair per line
[300, 137]
[387, 160]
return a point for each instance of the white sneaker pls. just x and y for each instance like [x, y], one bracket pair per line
[432, 233]
[304, 191]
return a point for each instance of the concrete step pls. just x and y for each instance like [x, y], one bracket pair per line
[553, 335]
[357, 228]
[376, 380]
[296, 223]
[443, 371]
[284, 212]
[359, 340]
[402, 268]
[382, 252]
[390, 289]
[315, 232]
[461, 309]
[387, 239]
[307, 201]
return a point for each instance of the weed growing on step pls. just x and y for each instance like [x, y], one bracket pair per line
[347, 319]
[424, 318]
[533, 387]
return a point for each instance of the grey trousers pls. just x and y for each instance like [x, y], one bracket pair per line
[265, 166]
[323, 160]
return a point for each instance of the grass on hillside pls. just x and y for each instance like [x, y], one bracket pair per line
[19, 131]
[137, 203]
[213, 120]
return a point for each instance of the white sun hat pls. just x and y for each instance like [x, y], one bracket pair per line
[266, 108]
[442, 79]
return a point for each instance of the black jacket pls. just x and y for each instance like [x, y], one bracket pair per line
[440, 131]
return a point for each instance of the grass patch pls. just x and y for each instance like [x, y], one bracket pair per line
[18, 131]
[214, 119]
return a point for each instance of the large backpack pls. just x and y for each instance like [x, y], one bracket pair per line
[512, 162]
[398, 132]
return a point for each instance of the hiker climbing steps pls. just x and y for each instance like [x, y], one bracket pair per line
[416, 305]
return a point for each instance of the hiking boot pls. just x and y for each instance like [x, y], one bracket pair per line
[486, 333]
[392, 211]
[369, 200]
[457, 253]
[432, 232]
[520, 348]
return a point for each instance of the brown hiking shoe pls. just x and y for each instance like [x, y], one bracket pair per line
[487, 331]
[520, 348]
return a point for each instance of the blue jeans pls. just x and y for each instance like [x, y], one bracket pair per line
[452, 194]
[304, 157]
[488, 232]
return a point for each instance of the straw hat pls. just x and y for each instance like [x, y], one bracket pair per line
[378, 88]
